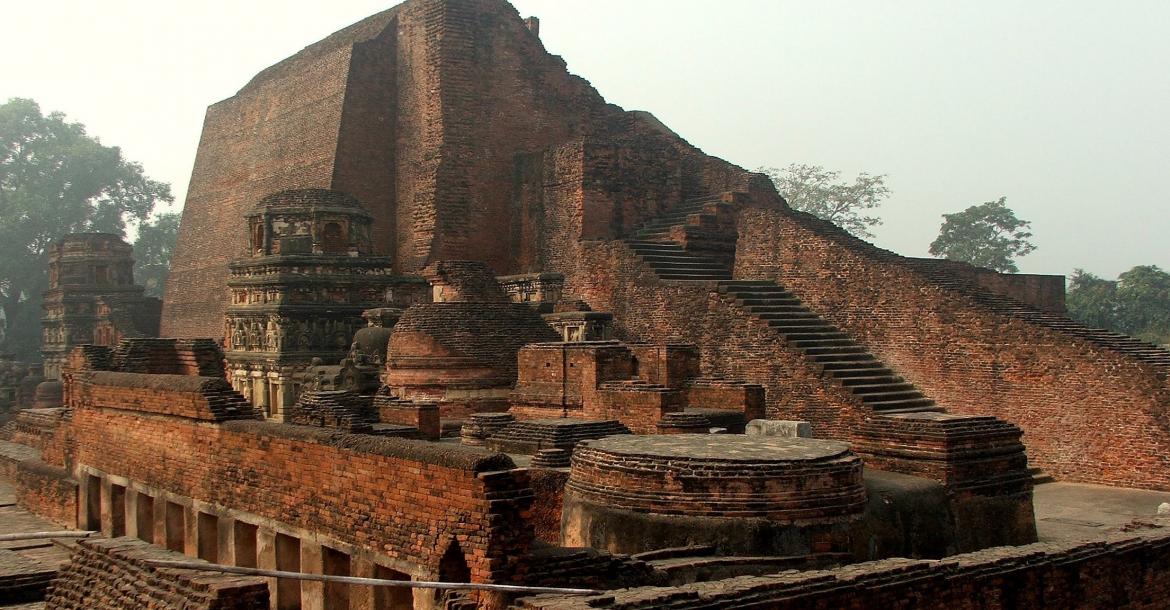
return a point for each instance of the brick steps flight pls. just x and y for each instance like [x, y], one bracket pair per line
[1148, 353]
[671, 262]
[839, 357]
[835, 353]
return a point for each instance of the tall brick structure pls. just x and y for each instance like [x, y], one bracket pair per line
[465, 139]
[92, 297]
[394, 110]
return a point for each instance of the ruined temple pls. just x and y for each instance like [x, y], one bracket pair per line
[92, 297]
[675, 244]
[297, 298]
[481, 326]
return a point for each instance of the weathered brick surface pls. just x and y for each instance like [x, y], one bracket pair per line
[406, 499]
[48, 491]
[548, 487]
[113, 574]
[22, 578]
[1123, 571]
[1088, 413]
[732, 343]
[188, 396]
[92, 298]
[785, 480]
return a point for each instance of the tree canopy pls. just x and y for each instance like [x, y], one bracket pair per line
[1137, 303]
[56, 179]
[987, 235]
[822, 193]
[152, 251]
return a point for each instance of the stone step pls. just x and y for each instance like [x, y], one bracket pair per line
[760, 293]
[862, 356]
[691, 265]
[670, 258]
[877, 388]
[884, 397]
[863, 371]
[809, 343]
[834, 349]
[655, 245]
[801, 326]
[847, 364]
[695, 278]
[759, 310]
[821, 334]
[932, 408]
[772, 302]
[747, 283]
[1039, 477]
[746, 287]
[787, 315]
[909, 403]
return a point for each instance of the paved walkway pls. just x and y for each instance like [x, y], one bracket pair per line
[1075, 511]
[14, 520]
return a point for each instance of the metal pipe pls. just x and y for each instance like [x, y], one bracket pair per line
[355, 580]
[43, 535]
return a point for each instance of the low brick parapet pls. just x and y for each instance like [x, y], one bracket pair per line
[187, 396]
[116, 574]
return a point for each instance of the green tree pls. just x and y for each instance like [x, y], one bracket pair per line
[55, 179]
[1137, 303]
[152, 252]
[1092, 300]
[1143, 296]
[987, 235]
[822, 193]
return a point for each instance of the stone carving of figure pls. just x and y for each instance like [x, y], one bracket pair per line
[271, 342]
[255, 337]
[238, 336]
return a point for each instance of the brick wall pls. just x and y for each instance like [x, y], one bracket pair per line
[407, 499]
[1044, 292]
[548, 486]
[394, 110]
[48, 491]
[1122, 571]
[279, 132]
[731, 343]
[198, 398]
[1088, 414]
[113, 574]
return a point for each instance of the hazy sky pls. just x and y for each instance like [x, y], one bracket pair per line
[1062, 106]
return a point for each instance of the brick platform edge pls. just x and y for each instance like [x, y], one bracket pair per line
[1121, 570]
[112, 574]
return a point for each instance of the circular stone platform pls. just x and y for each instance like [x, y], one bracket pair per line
[745, 494]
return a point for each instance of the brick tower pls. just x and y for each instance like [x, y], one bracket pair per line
[92, 297]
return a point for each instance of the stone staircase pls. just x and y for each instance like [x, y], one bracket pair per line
[838, 357]
[658, 229]
[1148, 353]
[671, 262]
[834, 352]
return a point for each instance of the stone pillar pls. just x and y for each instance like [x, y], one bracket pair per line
[362, 597]
[160, 521]
[107, 509]
[266, 559]
[312, 562]
[190, 531]
[89, 502]
[258, 387]
[132, 500]
[282, 391]
[226, 541]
